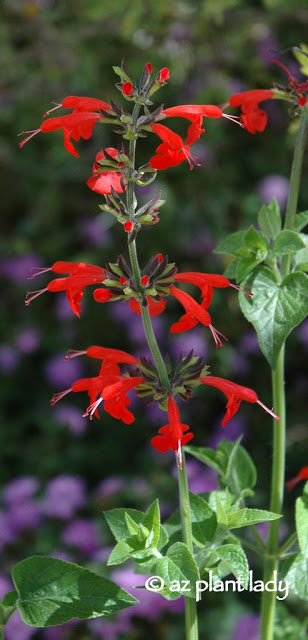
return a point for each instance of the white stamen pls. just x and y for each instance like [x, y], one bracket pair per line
[270, 411]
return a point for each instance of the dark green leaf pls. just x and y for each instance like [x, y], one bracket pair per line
[205, 455]
[275, 309]
[232, 243]
[234, 557]
[302, 523]
[286, 242]
[52, 592]
[301, 220]
[296, 576]
[241, 472]
[245, 517]
[177, 566]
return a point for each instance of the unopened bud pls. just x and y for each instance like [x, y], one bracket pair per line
[122, 281]
[159, 257]
[128, 226]
[302, 101]
[144, 281]
[127, 88]
[164, 74]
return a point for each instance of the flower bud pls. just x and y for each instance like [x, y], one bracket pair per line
[128, 226]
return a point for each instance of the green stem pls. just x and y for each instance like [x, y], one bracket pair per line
[191, 620]
[287, 544]
[268, 604]
[295, 179]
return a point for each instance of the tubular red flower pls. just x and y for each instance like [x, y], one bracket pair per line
[104, 353]
[174, 150]
[80, 276]
[302, 475]
[207, 282]
[253, 118]
[235, 394]
[172, 434]
[104, 182]
[102, 295]
[79, 124]
[190, 111]
[194, 313]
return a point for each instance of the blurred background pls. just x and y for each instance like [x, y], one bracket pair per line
[58, 470]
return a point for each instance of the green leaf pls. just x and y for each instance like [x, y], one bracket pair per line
[296, 576]
[10, 599]
[275, 309]
[203, 519]
[205, 455]
[177, 566]
[269, 219]
[254, 240]
[129, 548]
[241, 475]
[246, 265]
[52, 592]
[222, 517]
[234, 557]
[286, 242]
[151, 520]
[232, 243]
[123, 75]
[301, 220]
[231, 269]
[301, 517]
[245, 517]
[117, 523]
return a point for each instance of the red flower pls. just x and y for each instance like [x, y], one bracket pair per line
[80, 275]
[207, 282]
[104, 182]
[127, 88]
[194, 313]
[172, 434]
[253, 118]
[79, 124]
[164, 74]
[108, 387]
[235, 394]
[302, 475]
[298, 89]
[173, 150]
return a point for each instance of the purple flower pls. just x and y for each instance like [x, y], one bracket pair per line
[6, 533]
[247, 627]
[274, 186]
[61, 555]
[110, 630]
[16, 629]
[18, 268]
[236, 428]
[61, 372]
[27, 515]
[20, 489]
[28, 340]
[94, 231]
[195, 340]
[249, 343]
[200, 478]
[70, 417]
[8, 358]
[64, 495]
[82, 534]
[109, 487]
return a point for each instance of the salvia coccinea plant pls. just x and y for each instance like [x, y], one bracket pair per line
[198, 545]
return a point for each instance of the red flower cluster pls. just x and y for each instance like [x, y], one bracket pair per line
[78, 124]
[253, 118]
[109, 386]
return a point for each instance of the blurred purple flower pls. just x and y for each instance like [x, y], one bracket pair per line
[140, 487]
[94, 232]
[249, 343]
[18, 268]
[70, 417]
[61, 372]
[62, 308]
[64, 495]
[266, 48]
[110, 630]
[109, 487]
[157, 416]
[26, 515]
[200, 478]
[274, 186]
[247, 627]
[83, 534]
[196, 340]
[201, 242]
[16, 629]
[60, 632]
[28, 340]
[6, 585]
[61, 555]
[20, 489]
[236, 427]
[240, 364]
[8, 358]
[6, 533]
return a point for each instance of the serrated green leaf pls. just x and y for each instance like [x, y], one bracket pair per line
[232, 243]
[246, 265]
[301, 518]
[301, 220]
[254, 240]
[151, 521]
[245, 517]
[52, 592]
[222, 517]
[286, 242]
[296, 575]
[269, 219]
[203, 520]
[116, 521]
[235, 558]
[177, 566]
[275, 309]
